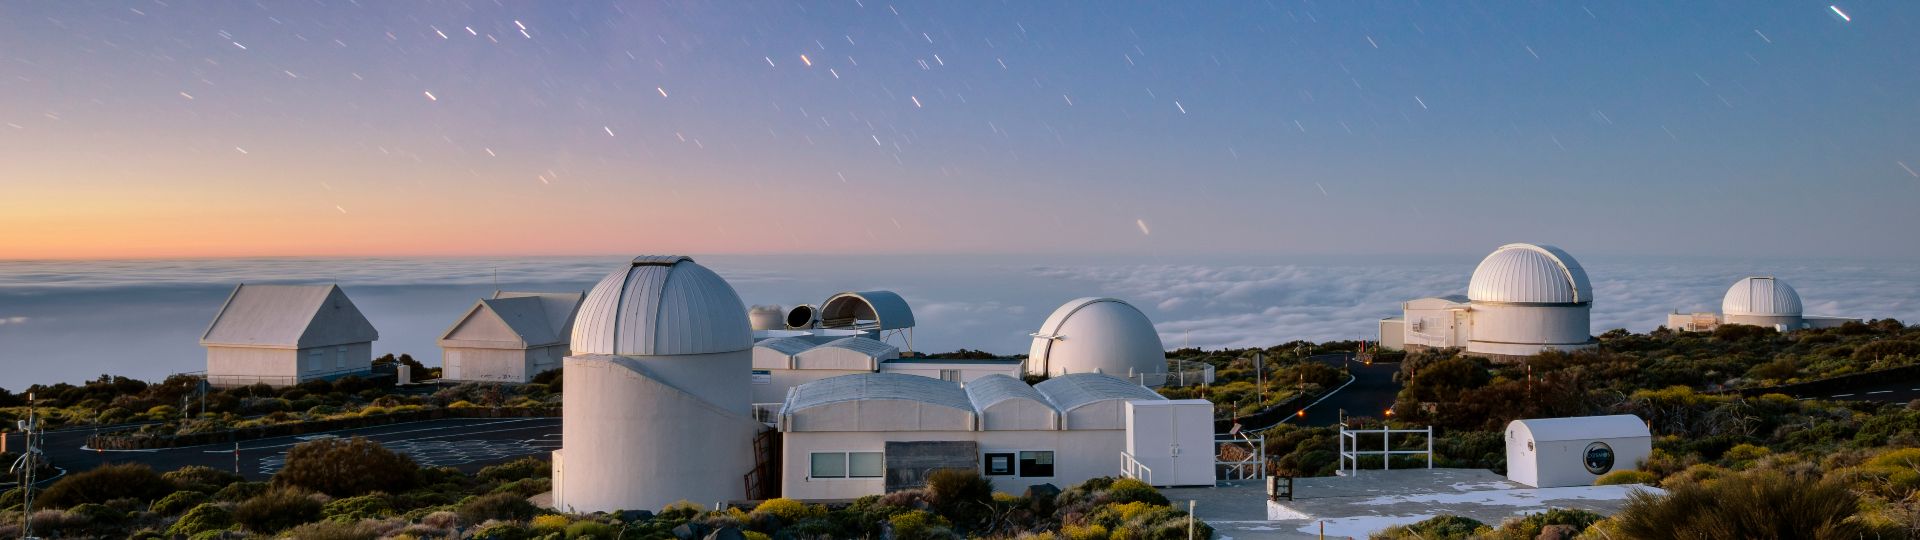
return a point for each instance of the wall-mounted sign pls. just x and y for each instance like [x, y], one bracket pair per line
[762, 376]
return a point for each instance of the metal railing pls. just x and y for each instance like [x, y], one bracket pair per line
[767, 413]
[1350, 451]
[1131, 468]
[1240, 458]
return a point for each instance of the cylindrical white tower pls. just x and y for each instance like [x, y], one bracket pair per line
[1761, 301]
[769, 317]
[1527, 298]
[656, 405]
[1098, 335]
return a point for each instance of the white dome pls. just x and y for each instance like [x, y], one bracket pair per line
[1530, 274]
[1762, 296]
[660, 306]
[1097, 334]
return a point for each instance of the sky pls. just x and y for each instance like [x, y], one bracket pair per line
[323, 128]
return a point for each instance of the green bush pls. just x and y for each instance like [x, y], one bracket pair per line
[591, 529]
[106, 483]
[920, 525]
[1435, 528]
[1529, 527]
[347, 467]
[240, 491]
[504, 506]
[954, 489]
[351, 509]
[277, 510]
[1127, 490]
[1757, 505]
[789, 510]
[98, 513]
[190, 476]
[333, 530]
[177, 502]
[203, 518]
[519, 469]
[1627, 476]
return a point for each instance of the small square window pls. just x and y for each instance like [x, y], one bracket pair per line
[1037, 464]
[866, 464]
[829, 465]
[999, 464]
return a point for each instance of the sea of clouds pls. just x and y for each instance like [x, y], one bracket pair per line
[70, 321]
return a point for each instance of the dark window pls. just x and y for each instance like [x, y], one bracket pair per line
[999, 464]
[1038, 464]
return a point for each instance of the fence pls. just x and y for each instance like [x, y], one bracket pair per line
[1350, 451]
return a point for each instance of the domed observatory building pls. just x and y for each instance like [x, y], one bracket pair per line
[1528, 298]
[1521, 300]
[1099, 335]
[1763, 301]
[656, 408]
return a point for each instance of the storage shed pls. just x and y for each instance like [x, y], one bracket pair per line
[509, 337]
[1560, 452]
[284, 335]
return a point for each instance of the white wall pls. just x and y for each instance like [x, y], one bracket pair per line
[1438, 328]
[1078, 456]
[968, 372]
[1521, 330]
[1561, 463]
[1393, 333]
[635, 440]
[240, 366]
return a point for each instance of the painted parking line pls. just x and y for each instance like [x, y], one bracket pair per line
[1841, 395]
[1880, 392]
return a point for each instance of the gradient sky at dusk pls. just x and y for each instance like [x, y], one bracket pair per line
[149, 129]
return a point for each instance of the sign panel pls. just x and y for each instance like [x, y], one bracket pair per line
[761, 376]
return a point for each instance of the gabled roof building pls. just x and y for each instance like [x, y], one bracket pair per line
[284, 335]
[509, 337]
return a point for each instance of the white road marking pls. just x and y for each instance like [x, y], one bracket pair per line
[1841, 395]
[1880, 392]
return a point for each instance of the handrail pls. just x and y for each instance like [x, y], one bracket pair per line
[1131, 468]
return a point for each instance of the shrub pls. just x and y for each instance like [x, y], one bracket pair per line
[351, 509]
[333, 530]
[106, 483]
[201, 478]
[598, 530]
[1758, 505]
[1530, 526]
[519, 469]
[1627, 476]
[179, 501]
[920, 525]
[951, 488]
[277, 510]
[789, 510]
[203, 518]
[1130, 490]
[347, 467]
[549, 523]
[1435, 528]
[1083, 532]
[504, 506]
[240, 491]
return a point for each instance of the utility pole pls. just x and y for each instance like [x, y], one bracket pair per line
[27, 467]
[1260, 375]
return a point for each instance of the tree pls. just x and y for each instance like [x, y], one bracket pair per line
[347, 467]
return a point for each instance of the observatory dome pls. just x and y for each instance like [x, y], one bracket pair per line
[1101, 335]
[1530, 274]
[662, 305]
[1761, 296]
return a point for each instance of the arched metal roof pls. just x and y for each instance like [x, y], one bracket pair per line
[863, 345]
[986, 391]
[1072, 391]
[866, 310]
[1761, 295]
[877, 386]
[789, 345]
[662, 305]
[1530, 274]
[1580, 428]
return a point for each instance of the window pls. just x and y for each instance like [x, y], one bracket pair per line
[999, 464]
[829, 465]
[951, 375]
[1036, 464]
[866, 464]
[315, 358]
[848, 465]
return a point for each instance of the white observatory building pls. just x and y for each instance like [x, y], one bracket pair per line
[1099, 335]
[657, 403]
[1763, 301]
[1523, 299]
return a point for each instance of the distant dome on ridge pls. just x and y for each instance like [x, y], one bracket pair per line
[1529, 273]
[1761, 296]
[662, 305]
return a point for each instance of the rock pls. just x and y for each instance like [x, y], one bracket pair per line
[635, 516]
[727, 533]
[1557, 532]
[1042, 491]
[690, 531]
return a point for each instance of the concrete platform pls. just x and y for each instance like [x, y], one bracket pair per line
[1373, 500]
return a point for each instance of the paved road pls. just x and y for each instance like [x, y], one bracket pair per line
[1896, 392]
[464, 443]
[1370, 394]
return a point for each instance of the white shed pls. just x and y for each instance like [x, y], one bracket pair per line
[510, 337]
[1170, 443]
[1559, 452]
[287, 334]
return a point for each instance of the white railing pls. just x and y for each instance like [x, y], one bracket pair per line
[1242, 457]
[767, 413]
[1350, 451]
[1131, 468]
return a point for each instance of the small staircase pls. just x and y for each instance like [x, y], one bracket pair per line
[763, 482]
